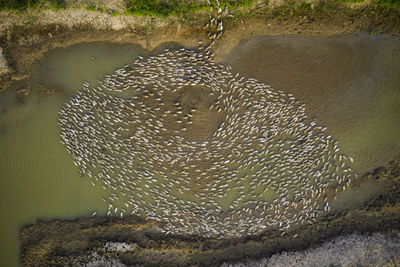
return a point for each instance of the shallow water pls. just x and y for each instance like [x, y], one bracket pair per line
[351, 85]
[38, 177]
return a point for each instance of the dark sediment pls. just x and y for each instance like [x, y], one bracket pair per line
[68, 242]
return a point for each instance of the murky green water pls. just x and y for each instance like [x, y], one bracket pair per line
[39, 180]
[38, 177]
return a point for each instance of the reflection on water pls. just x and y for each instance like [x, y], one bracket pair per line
[351, 85]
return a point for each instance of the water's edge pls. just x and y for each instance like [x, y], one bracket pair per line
[70, 241]
[84, 240]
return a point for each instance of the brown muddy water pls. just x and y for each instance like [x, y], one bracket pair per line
[351, 84]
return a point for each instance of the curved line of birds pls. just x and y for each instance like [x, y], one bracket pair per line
[293, 158]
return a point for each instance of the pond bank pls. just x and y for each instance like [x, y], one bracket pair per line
[350, 250]
[84, 240]
[26, 36]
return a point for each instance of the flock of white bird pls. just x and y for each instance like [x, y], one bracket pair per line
[177, 138]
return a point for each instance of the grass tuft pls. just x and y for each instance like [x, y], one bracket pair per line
[388, 3]
[165, 8]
